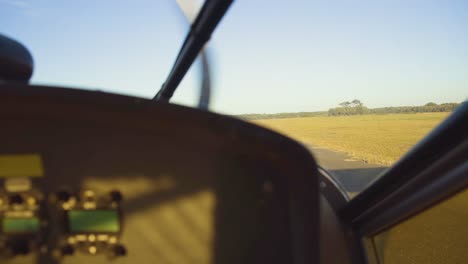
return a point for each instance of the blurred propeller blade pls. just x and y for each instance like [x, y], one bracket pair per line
[190, 8]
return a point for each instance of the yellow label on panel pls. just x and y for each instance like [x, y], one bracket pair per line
[21, 165]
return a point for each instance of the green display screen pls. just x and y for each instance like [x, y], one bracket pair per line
[90, 221]
[20, 225]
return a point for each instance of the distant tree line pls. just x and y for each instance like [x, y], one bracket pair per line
[427, 108]
[356, 107]
[282, 115]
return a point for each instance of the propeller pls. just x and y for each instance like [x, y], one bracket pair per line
[190, 9]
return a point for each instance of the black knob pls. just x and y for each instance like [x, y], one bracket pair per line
[19, 247]
[16, 62]
[63, 196]
[67, 250]
[119, 251]
[116, 196]
[16, 199]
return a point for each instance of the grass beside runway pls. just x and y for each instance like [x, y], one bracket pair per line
[379, 139]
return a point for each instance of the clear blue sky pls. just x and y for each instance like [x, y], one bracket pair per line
[268, 56]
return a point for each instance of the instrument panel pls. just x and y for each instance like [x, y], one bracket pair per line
[22, 218]
[58, 224]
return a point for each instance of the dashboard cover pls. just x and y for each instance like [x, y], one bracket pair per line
[196, 187]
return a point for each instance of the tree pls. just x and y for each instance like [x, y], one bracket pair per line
[356, 102]
[430, 104]
[345, 104]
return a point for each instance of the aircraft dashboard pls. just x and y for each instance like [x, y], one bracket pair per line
[88, 178]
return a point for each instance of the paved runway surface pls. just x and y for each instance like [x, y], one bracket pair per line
[354, 175]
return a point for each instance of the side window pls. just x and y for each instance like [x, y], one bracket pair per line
[436, 235]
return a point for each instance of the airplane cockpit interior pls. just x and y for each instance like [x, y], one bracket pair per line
[95, 177]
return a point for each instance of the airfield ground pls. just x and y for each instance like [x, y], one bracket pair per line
[373, 139]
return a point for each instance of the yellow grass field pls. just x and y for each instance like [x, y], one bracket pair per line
[380, 139]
